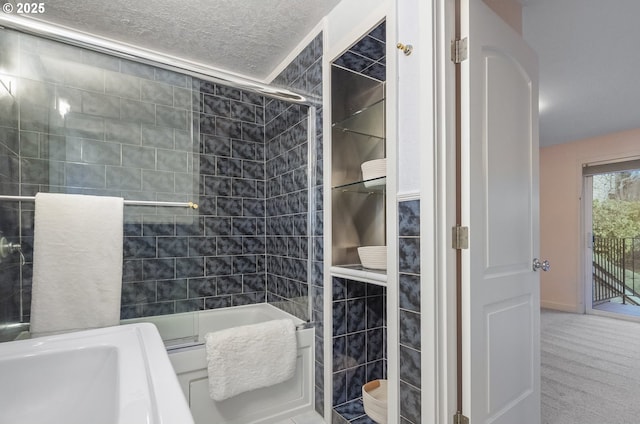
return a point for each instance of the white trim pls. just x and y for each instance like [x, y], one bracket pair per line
[586, 221]
[558, 306]
[370, 277]
[408, 196]
[621, 315]
[580, 266]
[392, 125]
[295, 52]
[327, 222]
[615, 159]
[361, 27]
[445, 133]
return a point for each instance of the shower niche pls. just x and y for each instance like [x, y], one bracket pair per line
[358, 161]
[358, 214]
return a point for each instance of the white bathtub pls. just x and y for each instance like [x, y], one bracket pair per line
[184, 337]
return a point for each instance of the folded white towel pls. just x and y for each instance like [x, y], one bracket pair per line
[77, 262]
[249, 357]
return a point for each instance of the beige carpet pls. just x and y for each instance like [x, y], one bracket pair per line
[590, 369]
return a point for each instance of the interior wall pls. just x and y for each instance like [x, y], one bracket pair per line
[561, 227]
[509, 10]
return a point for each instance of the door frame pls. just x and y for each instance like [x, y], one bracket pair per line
[587, 246]
[445, 201]
[447, 196]
[586, 225]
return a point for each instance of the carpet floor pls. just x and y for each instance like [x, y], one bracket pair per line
[590, 371]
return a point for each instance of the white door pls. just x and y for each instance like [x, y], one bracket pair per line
[499, 201]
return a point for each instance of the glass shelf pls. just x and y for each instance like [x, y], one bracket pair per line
[372, 186]
[367, 121]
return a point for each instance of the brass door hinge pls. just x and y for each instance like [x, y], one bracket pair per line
[460, 419]
[459, 50]
[460, 237]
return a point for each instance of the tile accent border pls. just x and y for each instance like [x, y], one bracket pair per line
[409, 302]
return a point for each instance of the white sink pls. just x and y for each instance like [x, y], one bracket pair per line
[115, 375]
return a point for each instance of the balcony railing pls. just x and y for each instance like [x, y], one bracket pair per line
[615, 261]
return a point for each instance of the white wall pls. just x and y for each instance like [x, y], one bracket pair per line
[561, 228]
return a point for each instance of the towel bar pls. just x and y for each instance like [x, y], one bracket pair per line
[126, 202]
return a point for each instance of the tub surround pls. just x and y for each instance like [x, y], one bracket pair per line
[269, 404]
[146, 133]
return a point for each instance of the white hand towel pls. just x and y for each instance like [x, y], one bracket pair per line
[77, 262]
[249, 357]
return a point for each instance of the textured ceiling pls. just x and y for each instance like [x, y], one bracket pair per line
[589, 61]
[586, 48]
[247, 37]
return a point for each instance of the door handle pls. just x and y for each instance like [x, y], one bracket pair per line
[544, 265]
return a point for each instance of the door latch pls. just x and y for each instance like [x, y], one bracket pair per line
[544, 265]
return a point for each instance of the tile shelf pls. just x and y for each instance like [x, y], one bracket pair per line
[359, 273]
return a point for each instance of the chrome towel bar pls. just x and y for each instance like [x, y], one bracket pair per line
[126, 202]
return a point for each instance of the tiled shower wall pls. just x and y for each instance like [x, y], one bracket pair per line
[216, 258]
[128, 132]
[359, 340]
[304, 74]
[287, 207]
[94, 124]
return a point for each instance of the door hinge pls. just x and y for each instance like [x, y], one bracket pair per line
[460, 237]
[459, 50]
[460, 419]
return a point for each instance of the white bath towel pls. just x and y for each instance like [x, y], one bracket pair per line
[249, 357]
[77, 263]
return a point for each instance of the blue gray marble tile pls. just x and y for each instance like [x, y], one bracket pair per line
[356, 378]
[356, 349]
[409, 292]
[409, 255]
[171, 289]
[189, 305]
[410, 403]
[217, 302]
[339, 387]
[230, 284]
[409, 218]
[410, 366]
[339, 318]
[246, 264]
[218, 265]
[139, 247]
[410, 329]
[158, 269]
[374, 347]
[202, 287]
[356, 318]
[353, 411]
[190, 267]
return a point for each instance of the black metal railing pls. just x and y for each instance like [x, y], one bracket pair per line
[615, 261]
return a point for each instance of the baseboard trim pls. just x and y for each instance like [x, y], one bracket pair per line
[564, 307]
